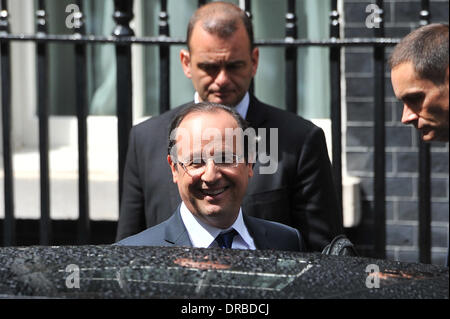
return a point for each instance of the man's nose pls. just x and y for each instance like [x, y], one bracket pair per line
[211, 173]
[222, 77]
[408, 115]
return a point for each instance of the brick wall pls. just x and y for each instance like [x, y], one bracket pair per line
[401, 17]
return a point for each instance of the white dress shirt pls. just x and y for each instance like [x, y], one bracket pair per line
[241, 107]
[203, 235]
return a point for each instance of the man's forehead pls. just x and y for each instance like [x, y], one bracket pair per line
[405, 69]
[407, 84]
[217, 147]
[201, 119]
[406, 81]
[201, 30]
[217, 128]
[213, 147]
[219, 23]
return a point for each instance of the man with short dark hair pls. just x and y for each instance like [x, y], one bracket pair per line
[419, 74]
[212, 172]
[296, 188]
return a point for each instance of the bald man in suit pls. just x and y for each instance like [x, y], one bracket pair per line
[212, 182]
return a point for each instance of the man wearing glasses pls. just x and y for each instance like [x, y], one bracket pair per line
[221, 60]
[212, 172]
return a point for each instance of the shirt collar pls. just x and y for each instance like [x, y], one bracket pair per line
[241, 107]
[203, 235]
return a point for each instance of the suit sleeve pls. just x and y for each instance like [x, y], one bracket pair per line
[315, 205]
[132, 214]
[300, 242]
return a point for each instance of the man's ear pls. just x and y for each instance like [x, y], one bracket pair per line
[446, 76]
[250, 169]
[255, 59]
[173, 168]
[185, 59]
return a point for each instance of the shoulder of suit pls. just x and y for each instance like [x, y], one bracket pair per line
[271, 225]
[159, 122]
[284, 119]
[152, 236]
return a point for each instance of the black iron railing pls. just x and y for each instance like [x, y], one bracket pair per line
[123, 38]
[380, 141]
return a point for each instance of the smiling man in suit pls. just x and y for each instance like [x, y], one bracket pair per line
[211, 165]
[221, 60]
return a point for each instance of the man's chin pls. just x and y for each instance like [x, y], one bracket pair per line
[427, 138]
[216, 216]
[212, 210]
[429, 135]
[223, 99]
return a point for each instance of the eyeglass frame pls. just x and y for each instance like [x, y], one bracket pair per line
[218, 165]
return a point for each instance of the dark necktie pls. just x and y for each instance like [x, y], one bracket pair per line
[226, 239]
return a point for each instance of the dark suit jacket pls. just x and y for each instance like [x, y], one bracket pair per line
[265, 234]
[300, 194]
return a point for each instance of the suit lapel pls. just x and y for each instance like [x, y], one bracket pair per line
[176, 233]
[256, 117]
[256, 114]
[259, 234]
